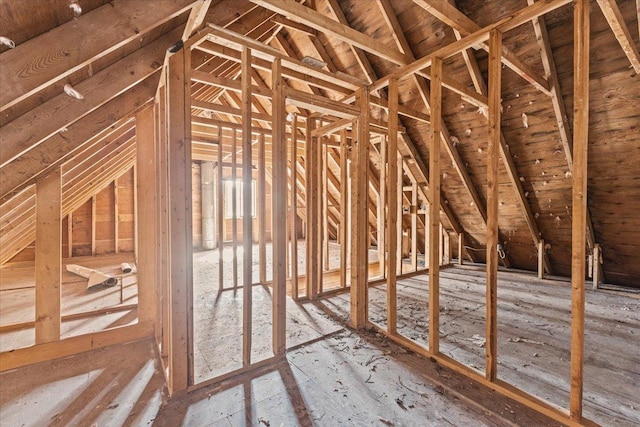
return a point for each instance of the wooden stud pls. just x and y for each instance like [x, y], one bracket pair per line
[247, 204]
[310, 214]
[116, 219]
[460, 248]
[319, 219]
[136, 221]
[262, 211]
[541, 259]
[234, 207]
[434, 211]
[324, 161]
[207, 204]
[400, 215]
[581, 25]
[180, 235]
[147, 193]
[493, 152]
[597, 275]
[294, 207]
[441, 245]
[70, 234]
[344, 193]
[381, 209]
[360, 214]
[427, 241]
[392, 210]
[414, 226]
[279, 211]
[94, 215]
[48, 257]
[220, 213]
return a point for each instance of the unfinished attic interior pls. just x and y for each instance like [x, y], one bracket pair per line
[320, 212]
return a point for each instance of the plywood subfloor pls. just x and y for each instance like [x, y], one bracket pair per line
[218, 314]
[17, 299]
[534, 326]
[346, 378]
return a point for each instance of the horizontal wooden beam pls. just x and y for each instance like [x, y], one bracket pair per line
[74, 345]
[311, 18]
[320, 104]
[505, 24]
[238, 42]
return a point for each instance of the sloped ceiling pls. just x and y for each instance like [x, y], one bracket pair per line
[535, 180]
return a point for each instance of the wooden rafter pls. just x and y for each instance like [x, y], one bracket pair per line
[453, 17]
[509, 164]
[423, 90]
[53, 116]
[559, 110]
[132, 18]
[615, 19]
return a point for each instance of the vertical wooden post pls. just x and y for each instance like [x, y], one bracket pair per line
[541, 259]
[324, 206]
[460, 248]
[446, 248]
[234, 206]
[294, 207]
[181, 247]
[164, 246]
[581, 25]
[360, 214]
[147, 190]
[207, 175]
[48, 257]
[220, 213]
[344, 211]
[319, 218]
[308, 179]
[382, 204]
[493, 152]
[116, 219]
[279, 210]
[434, 207]
[94, 213]
[400, 214]
[597, 254]
[312, 214]
[70, 234]
[392, 210]
[247, 204]
[414, 226]
[136, 240]
[262, 211]
[427, 239]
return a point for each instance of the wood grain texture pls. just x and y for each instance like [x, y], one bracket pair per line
[52, 56]
[48, 257]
